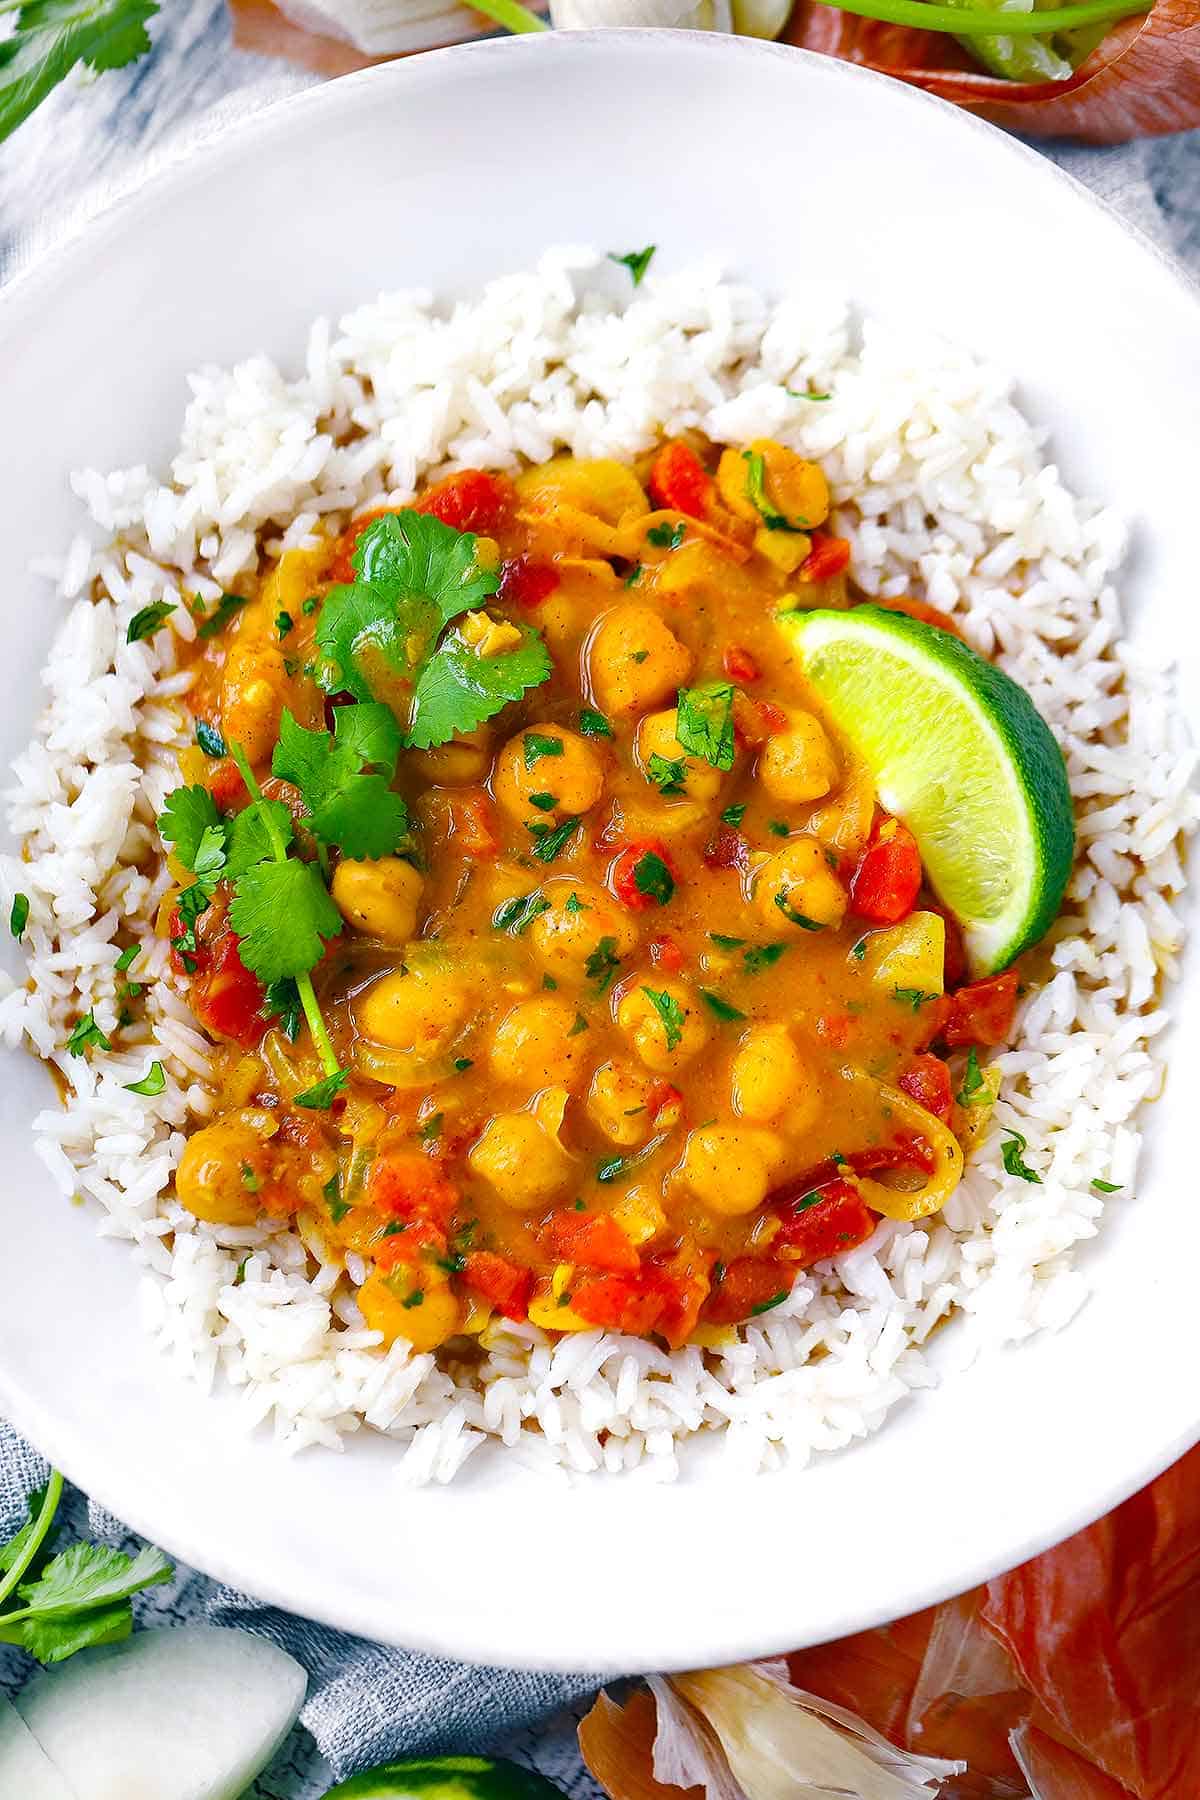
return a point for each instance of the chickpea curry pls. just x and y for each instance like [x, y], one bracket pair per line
[561, 960]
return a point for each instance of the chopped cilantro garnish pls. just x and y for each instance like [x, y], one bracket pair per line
[581, 1206]
[393, 628]
[766, 1305]
[704, 722]
[1106, 1187]
[667, 537]
[733, 815]
[804, 394]
[544, 802]
[241, 1271]
[608, 1171]
[431, 1128]
[725, 943]
[152, 1082]
[310, 605]
[549, 843]
[127, 959]
[251, 1180]
[756, 493]
[1010, 1155]
[18, 917]
[593, 723]
[575, 904]
[320, 1097]
[669, 1011]
[973, 1083]
[87, 1035]
[666, 775]
[536, 744]
[603, 963]
[282, 913]
[146, 622]
[188, 814]
[217, 621]
[637, 656]
[549, 983]
[796, 918]
[631, 580]
[721, 1008]
[636, 261]
[210, 739]
[762, 956]
[282, 1002]
[859, 949]
[652, 877]
[462, 1064]
[416, 1298]
[284, 623]
[912, 997]
[777, 828]
[516, 914]
[580, 1024]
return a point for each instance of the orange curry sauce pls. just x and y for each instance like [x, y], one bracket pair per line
[633, 1038]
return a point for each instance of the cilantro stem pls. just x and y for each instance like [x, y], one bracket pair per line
[510, 14]
[37, 1536]
[304, 986]
[990, 22]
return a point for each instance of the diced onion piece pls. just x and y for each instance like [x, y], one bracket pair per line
[689, 15]
[211, 1706]
[909, 955]
[944, 1177]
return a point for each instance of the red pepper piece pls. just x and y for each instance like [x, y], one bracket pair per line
[927, 1081]
[885, 885]
[472, 500]
[226, 997]
[631, 1303]
[828, 557]
[739, 665]
[593, 1239]
[524, 581]
[405, 1184]
[811, 1231]
[665, 954]
[907, 1151]
[501, 1283]
[726, 849]
[678, 482]
[746, 1287]
[420, 1241]
[982, 1013]
[664, 1105]
[226, 786]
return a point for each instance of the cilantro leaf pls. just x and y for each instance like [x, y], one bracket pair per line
[253, 834]
[669, 1011]
[913, 998]
[652, 877]
[549, 842]
[459, 687]
[18, 918]
[53, 1640]
[593, 723]
[282, 912]
[147, 621]
[536, 744]
[53, 36]
[972, 1082]
[1014, 1163]
[320, 1097]
[667, 537]
[766, 1305]
[721, 1008]
[186, 815]
[210, 739]
[516, 914]
[86, 1035]
[358, 813]
[704, 722]
[92, 1575]
[806, 924]
[666, 775]
[282, 1002]
[756, 493]
[414, 575]
[1106, 1187]
[761, 956]
[369, 730]
[152, 1082]
[636, 261]
[603, 963]
[217, 621]
[733, 815]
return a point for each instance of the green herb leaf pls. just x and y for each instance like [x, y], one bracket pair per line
[544, 802]
[536, 744]
[766, 1305]
[594, 724]
[369, 731]
[798, 918]
[667, 537]
[721, 1008]
[188, 814]
[549, 841]
[756, 493]
[667, 776]
[603, 963]
[459, 687]
[575, 904]
[1010, 1155]
[284, 623]
[777, 828]
[669, 1011]
[152, 1082]
[462, 1064]
[704, 722]
[580, 1024]
[1106, 1187]
[912, 997]
[652, 877]
[127, 959]
[253, 834]
[356, 812]
[608, 1171]
[18, 917]
[217, 621]
[636, 261]
[146, 622]
[804, 394]
[283, 914]
[320, 1097]
[762, 956]
[55, 36]
[210, 739]
[282, 1002]
[517, 914]
[431, 1128]
[973, 1083]
[251, 1181]
[631, 580]
[725, 943]
[859, 949]
[86, 1035]
[733, 815]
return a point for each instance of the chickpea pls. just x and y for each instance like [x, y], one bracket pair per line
[656, 737]
[662, 1043]
[378, 898]
[406, 1304]
[799, 763]
[616, 1104]
[792, 487]
[728, 1168]
[524, 1162]
[798, 884]
[224, 1165]
[582, 924]
[539, 1041]
[547, 760]
[418, 1010]
[635, 661]
[463, 760]
[768, 1078]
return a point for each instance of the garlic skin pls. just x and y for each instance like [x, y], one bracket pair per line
[388, 27]
[686, 15]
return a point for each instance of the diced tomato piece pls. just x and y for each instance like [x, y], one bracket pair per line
[226, 998]
[687, 1273]
[525, 581]
[501, 1283]
[885, 885]
[828, 557]
[747, 1286]
[726, 849]
[405, 1184]
[921, 610]
[927, 1080]
[632, 1303]
[225, 784]
[473, 826]
[664, 1104]
[418, 1240]
[810, 1231]
[593, 1239]
[623, 875]
[738, 664]
[678, 482]
[982, 1013]
[472, 500]
[906, 1151]
[666, 954]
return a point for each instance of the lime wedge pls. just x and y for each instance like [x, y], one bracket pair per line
[961, 754]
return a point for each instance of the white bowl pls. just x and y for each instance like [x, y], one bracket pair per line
[442, 171]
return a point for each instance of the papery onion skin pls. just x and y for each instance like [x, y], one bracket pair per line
[1143, 81]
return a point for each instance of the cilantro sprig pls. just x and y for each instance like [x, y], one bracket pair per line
[394, 634]
[54, 36]
[704, 722]
[348, 807]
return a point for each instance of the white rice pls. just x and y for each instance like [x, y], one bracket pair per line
[944, 491]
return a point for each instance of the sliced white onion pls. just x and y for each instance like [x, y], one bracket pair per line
[386, 27]
[684, 15]
[25, 1769]
[190, 1713]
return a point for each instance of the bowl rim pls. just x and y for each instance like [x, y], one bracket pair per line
[190, 163]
